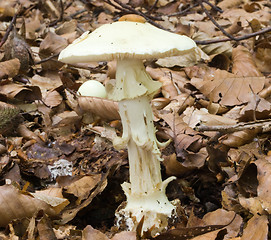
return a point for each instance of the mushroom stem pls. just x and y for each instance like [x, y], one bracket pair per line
[146, 191]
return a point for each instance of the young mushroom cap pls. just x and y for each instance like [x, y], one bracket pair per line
[92, 88]
[120, 40]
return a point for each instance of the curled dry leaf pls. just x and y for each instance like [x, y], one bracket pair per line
[9, 68]
[258, 107]
[179, 103]
[104, 108]
[226, 4]
[214, 48]
[185, 60]
[83, 186]
[21, 92]
[257, 228]
[89, 233]
[263, 58]
[84, 191]
[193, 117]
[229, 89]
[15, 204]
[223, 217]
[243, 63]
[52, 44]
[125, 236]
[53, 98]
[240, 138]
[16, 47]
[173, 82]
[188, 144]
[263, 194]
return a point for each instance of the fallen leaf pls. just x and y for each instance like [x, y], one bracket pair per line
[21, 92]
[104, 108]
[229, 89]
[243, 63]
[193, 117]
[16, 205]
[257, 228]
[83, 186]
[89, 233]
[9, 68]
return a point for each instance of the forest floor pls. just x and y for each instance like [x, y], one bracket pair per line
[60, 174]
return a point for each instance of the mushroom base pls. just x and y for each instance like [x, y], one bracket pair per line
[153, 206]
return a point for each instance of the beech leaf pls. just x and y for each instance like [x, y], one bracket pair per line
[229, 89]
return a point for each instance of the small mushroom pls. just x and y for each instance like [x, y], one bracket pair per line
[129, 43]
[92, 88]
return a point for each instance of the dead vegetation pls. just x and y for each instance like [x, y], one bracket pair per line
[61, 176]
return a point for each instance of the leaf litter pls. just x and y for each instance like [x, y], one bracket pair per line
[222, 177]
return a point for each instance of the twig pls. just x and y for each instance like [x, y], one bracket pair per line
[183, 11]
[215, 22]
[147, 17]
[265, 125]
[47, 59]
[218, 9]
[128, 9]
[153, 6]
[250, 35]
[10, 27]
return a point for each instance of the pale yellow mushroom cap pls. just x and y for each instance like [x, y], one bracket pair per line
[92, 88]
[120, 40]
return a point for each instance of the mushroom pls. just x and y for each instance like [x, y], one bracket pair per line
[129, 43]
[92, 88]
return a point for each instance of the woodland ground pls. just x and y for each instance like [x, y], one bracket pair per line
[215, 107]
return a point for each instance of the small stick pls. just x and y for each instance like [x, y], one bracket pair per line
[153, 6]
[183, 11]
[265, 125]
[10, 27]
[215, 22]
[250, 35]
[218, 9]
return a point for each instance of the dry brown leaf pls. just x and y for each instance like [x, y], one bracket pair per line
[58, 204]
[89, 233]
[69, 214]
[245, 17]
[21, 92]
[125, 236]
[52, 44]
[45, 83]
[188, 144]
[45, 229]
[17, 47]
[263, 59]
[9, 68]
[240, 138]
[104, 108]
[193, 117]
[83, 186]
[15, 204]
[258, 107]
[214, 48]
[53, 98]
[228, 4]
[185, 60]
[179, 103]
[243, 63]
[223, 217]
[257, 228]
[264, 171]
[227, 89]
[34, 24]
[173, 82]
